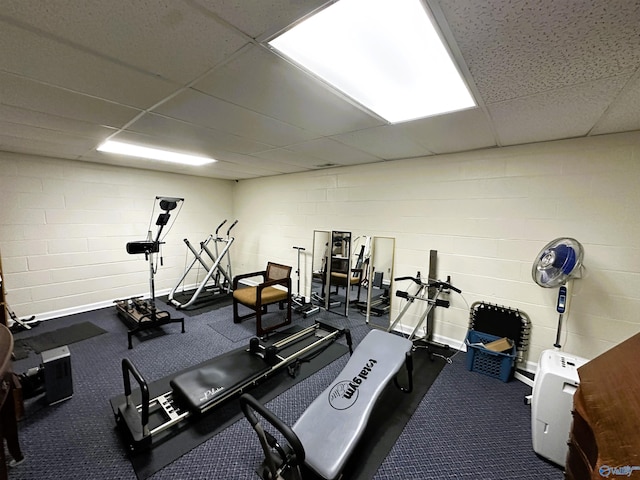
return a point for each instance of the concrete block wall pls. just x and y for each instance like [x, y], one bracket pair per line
[488, 214]
[64, 226]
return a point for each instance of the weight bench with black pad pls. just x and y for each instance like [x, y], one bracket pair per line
[325, 435]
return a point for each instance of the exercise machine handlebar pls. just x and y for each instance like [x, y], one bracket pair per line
[129, 368]
[220, 226]
[249, 405]
[228, 230]
[437, 302]
[435, 284]
[232, 225]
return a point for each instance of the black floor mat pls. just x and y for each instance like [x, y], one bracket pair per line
[56, 338]
[389, 417]
[205, 302]
[208, 425]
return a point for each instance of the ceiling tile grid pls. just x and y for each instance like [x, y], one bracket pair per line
[193, 75]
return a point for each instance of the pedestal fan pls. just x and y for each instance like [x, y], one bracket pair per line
[557, 375]
[557, 263]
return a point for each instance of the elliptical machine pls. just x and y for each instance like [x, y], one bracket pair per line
[136, 313]
[219, 280]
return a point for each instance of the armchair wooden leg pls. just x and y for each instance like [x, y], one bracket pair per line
[236, 317]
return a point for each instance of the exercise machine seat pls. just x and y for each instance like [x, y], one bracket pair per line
[205, 386]
[274, 288]
[331, 426]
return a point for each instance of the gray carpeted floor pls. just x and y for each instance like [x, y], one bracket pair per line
[467, 426]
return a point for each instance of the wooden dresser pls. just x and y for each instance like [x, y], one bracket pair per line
[8, 422]
[605, 434]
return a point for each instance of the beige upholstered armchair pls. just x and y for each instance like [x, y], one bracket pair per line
[275, 288]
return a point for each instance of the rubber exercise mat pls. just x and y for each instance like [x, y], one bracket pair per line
[58, 338]
[206, 302]
[389, 417]
[237, 332]
[207, 426]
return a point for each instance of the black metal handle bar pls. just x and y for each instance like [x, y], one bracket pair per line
[220, 226]
[249, 405]
[232, 225]
[129, 368]
[435, 284]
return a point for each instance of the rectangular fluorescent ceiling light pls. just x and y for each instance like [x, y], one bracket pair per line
[133, 150]
[384, 54]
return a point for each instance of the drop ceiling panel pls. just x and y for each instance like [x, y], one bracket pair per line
[332, 152]
[55, 123]
[623, 114]
[63, 147]
[517, 48]
[29, 133]
[199, 138]
[565, 113]
[388, 142]
[265, 18]
[263, 82]
[256, 165]
[459, 131]
[198, 108]
[222, 170]
[298, 160]
[163, 37]
[34, 56]
[242, 166]
[31, 95]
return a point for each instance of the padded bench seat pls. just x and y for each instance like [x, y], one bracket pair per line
[331, 426]
[206, 386]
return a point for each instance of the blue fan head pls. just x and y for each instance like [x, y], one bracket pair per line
[557, 262]
[565, 258]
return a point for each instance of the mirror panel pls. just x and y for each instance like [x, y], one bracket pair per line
[319, 267]
[340, 274]
[380, 282]
[360, 262]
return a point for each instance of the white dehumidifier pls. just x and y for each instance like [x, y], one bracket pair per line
[551, 403]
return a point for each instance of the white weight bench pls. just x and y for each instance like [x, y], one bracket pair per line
[324, 437]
